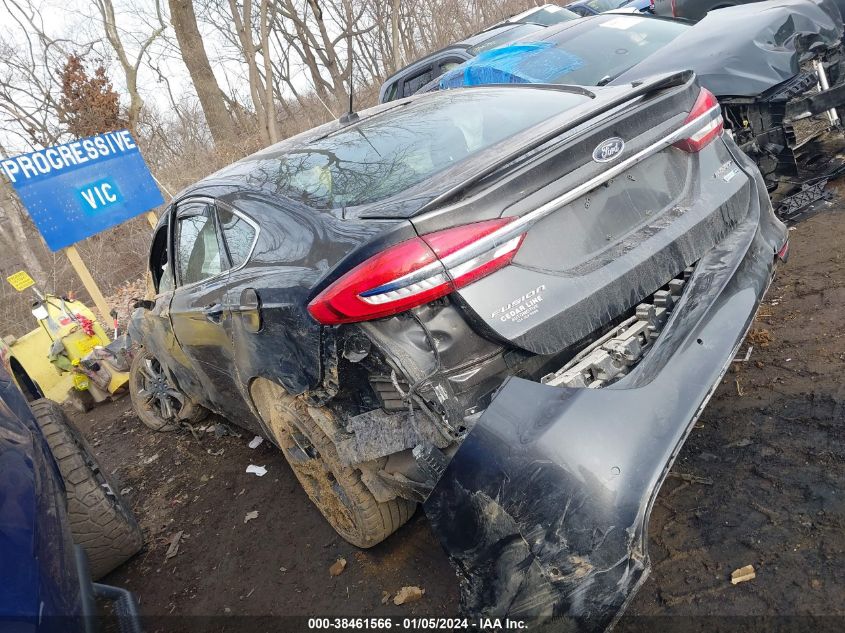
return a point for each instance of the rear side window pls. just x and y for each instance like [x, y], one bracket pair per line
[390, 93]
[238, 235]
[197, 247]
[416, 82]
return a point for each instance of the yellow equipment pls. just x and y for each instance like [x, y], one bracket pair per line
[80, 347]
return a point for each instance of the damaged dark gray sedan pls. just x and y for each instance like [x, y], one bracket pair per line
[510, 303]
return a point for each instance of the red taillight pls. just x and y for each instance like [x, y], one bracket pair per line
[707, 113]
[415, 272]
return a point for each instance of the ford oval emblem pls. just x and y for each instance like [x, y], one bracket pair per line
[608, 150]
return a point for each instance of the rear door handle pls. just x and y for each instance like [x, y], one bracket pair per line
[213, 312]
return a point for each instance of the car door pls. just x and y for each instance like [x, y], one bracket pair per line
[198, 308]
[156, 328]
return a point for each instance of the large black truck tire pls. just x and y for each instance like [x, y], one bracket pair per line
[100, 520]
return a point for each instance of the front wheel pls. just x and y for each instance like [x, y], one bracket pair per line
[336, 490]
[156, 399]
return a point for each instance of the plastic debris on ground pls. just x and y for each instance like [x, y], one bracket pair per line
[257, 470]
[256, 441]
[250, 516]
[174, 545]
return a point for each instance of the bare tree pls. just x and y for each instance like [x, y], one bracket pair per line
[260, 77]
[130, 66]
[28, 82]
[213, 102]
[14, 237]
[396, 57]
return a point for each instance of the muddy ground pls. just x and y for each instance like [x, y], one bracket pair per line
[760, 481]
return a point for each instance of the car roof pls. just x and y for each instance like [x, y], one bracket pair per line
[555, 32]
[230, 179]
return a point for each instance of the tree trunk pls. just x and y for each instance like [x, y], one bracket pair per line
[394, 36]
[210, 95]
[14, 235]
[269, 106]
[329, 56]
[243, 27]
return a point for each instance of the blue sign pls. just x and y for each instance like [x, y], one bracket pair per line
[78, 189]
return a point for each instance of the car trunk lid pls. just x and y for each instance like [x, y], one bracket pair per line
[605, 225]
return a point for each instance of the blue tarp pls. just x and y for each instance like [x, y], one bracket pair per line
[529, 62]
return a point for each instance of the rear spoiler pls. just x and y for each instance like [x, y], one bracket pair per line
[639, 88]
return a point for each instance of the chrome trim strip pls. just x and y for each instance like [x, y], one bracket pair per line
[249, 221]
[429, 270]
[523, 223]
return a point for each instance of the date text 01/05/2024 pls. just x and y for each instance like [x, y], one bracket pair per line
[418, 623]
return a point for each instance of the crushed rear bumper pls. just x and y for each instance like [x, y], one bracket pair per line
[544, 509]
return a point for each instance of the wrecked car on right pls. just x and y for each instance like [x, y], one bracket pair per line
[775, 66]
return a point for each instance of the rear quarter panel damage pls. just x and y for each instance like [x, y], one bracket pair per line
[299, 251]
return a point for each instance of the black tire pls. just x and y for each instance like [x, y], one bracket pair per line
[336, 490]
[100, 520]
[159, 403]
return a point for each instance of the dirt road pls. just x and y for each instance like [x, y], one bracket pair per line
[759, 482]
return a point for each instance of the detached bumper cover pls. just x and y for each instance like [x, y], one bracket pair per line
[544, 509]
[817, 103]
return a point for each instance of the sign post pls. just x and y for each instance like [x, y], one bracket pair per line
[75, 190]
[87, 280]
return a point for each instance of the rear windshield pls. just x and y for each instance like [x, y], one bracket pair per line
[600, 6]
[503, 35]
[547, 16]
[393, 151]
[617, 43]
